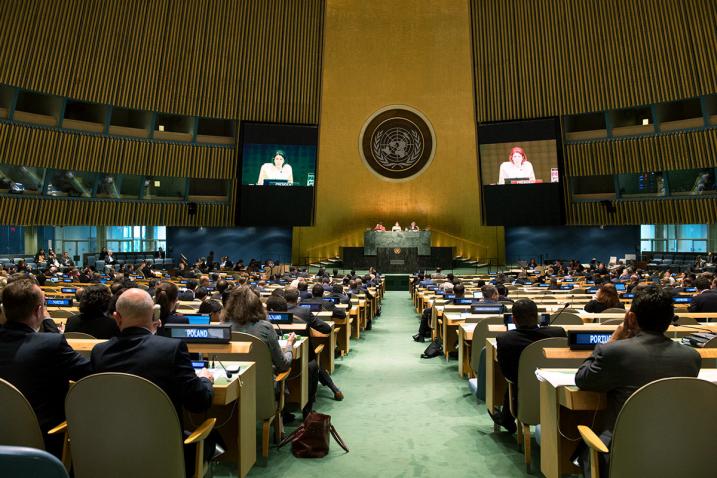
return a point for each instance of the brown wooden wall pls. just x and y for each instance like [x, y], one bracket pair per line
[48, 148]
[669, 151]
[27, 211]
[536, 58]
[658, 211]
[239, 59]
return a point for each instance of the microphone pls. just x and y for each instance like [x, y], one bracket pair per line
[676, 318]
[229, 374]
[558, 314]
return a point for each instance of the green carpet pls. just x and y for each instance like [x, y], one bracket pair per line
[402, 416]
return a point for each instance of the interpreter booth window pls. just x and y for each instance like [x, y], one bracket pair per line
[208, 190]
[21, 180]
[638, 185]
[692, 182]
[165, 188]
[63, 183]
[593, 188]
[115, 186]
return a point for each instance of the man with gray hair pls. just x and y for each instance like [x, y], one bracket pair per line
[161, 360]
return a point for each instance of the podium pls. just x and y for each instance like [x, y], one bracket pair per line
[397, 252]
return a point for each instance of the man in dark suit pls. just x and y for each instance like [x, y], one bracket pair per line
[303, 290]
[39, 365]
[161, 360]
[317, 294]
[638, 353]
[292, 298]
[188, 294]
[511, 346]
[337, 292]
[706, 298]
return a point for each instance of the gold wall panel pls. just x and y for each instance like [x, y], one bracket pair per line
[247, 59]
[662, 211]
[408, 52]
[39, 147]
[683, 150]
[59, 212]
[536, 58]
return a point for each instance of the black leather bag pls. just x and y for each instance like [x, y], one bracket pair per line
[434, 349]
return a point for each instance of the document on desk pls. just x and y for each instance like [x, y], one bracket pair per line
[283, 344]
[557, 377]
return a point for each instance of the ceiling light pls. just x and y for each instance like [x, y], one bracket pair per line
[645, 121]
[160, 127]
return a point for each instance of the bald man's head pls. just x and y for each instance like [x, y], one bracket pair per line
[134, 309]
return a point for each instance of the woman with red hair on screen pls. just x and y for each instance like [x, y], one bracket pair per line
[517, 167]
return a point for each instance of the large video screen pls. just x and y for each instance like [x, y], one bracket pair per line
[520, 162]
[277, 171]
[278, 164]
[520, 165]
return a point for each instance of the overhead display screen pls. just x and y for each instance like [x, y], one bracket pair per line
[277, 171]
[520, 168]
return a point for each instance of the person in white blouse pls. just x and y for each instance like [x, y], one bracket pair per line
[516, 167]
[279, 169]
[396, 227]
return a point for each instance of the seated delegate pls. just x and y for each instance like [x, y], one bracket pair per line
[40, 365]
[511, 345]
[161, 360]
[638, 353]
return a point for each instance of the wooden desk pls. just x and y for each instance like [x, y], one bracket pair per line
[563, 407]
[235, 396]
[343, 338]
[672, 331]
[298, 381]
[326, 358]
[495, 384]
[562, 353]
[590, 317]
[85, 346]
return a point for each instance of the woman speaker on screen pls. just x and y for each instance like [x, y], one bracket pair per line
[517, 167]
[278, 170]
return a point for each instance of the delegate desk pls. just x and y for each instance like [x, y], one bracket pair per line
[563, 407]
[298, 381]
[326, 358]
[239, 392]
[495, 381]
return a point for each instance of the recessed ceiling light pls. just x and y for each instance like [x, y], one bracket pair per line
[645, 121]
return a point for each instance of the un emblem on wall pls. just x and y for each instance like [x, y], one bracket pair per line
[397, 142]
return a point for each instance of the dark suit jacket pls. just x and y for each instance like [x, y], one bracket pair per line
[187, 295]
[343, 298]
[304, 295]
[301, 313]
[328, 306]
[620, 368]
[704, 302]
[161, 360]
[101, 327]
[40, 366]
[512, 343]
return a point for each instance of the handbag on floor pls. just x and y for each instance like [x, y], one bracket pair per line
[434, 349]
[311, 440]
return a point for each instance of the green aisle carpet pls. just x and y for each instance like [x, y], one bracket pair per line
[403, 416]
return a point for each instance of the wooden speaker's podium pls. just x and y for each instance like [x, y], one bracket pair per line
[397, 251]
